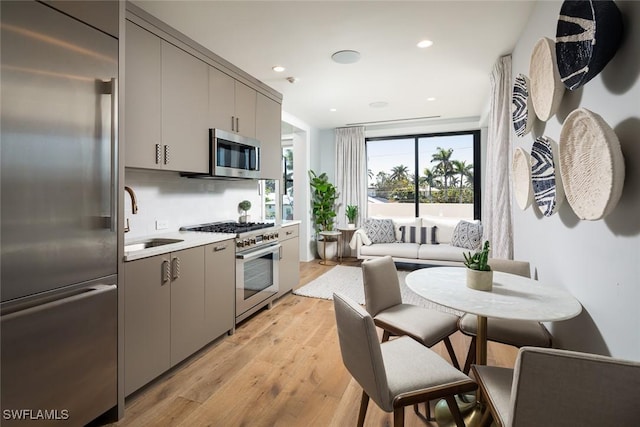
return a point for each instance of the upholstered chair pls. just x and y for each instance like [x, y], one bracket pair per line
[396, 373]
[560, 388]
[383, 301]
[518, 333]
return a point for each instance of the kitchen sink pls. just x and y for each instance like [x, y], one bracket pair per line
[149, 243]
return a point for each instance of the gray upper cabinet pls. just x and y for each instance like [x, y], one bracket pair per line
[268, 132]
[143, 108]
[232, 104]
[166, 102]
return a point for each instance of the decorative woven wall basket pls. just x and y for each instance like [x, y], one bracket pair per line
[591, 164]
[521, 176]
[587, 37]
[522, 113]
[545, 176]
[546, 87]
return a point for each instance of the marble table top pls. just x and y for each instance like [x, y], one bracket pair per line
[512, 297]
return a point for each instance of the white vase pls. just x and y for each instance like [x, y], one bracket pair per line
[331, 249]
[479, 280]
[351, 225]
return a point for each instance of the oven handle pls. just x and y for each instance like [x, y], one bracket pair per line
[258, 253]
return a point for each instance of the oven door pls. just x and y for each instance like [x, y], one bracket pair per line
[257, 278]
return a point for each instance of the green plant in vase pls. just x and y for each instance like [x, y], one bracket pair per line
[244, 206]
[351, 211]
[323, 200]
[479, 274]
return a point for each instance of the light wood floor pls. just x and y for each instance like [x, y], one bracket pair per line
[282, 367]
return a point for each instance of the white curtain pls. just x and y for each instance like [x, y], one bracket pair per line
[351, 172]
[496, 209]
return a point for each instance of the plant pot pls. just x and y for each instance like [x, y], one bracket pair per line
[350, 225]
[244, 219]
[331, 249]
[479, 280]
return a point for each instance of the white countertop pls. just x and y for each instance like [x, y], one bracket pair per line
[512, 297]
[289, 222]
[189, 239]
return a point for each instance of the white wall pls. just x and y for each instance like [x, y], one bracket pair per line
[597, 261]
[184, 201]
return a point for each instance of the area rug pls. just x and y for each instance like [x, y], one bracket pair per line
[348, 281]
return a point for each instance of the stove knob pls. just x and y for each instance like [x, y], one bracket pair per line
[253, 240]
[239, 244]
[246, 242]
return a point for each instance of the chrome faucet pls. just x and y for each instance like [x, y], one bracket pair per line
[134, 206]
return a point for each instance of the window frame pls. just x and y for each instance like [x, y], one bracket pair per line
[477, 170]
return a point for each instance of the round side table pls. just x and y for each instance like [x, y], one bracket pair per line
[327, 234]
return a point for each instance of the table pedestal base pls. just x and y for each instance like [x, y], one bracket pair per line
[470, 409]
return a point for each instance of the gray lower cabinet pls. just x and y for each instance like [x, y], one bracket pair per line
[290, 258]
[219, 289]
[164, 313]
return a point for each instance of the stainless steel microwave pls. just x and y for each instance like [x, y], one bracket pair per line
[233, 156]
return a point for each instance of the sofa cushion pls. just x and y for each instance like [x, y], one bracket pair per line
[380, 230]
[396, 250]
[467, 235]
[445, 226]
[441, 252]
[415, 234]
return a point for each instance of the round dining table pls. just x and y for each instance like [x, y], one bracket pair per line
[511, 297]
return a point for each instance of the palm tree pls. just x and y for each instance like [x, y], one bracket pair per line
[443, 167]
[399, 173]
[465, 171]
[429, 178]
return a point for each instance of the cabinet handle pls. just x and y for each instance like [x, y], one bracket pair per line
[233, 124]
[166, 275]
[175, 268]
[158, 154]
[288, 233]
[238, 124]
[219, 248]
[166, 154]
[280, 252]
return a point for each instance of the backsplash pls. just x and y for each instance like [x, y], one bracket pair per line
[168, 197]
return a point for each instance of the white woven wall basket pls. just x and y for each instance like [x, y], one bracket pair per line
[546, 88]
[521, 176]
[591, 164]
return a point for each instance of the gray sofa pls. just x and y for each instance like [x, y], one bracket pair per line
[440, 252]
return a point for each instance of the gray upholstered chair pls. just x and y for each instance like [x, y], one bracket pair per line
[518, 333]
[383, 301]
[396, 373]
[550, 387]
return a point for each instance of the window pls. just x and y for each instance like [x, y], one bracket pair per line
[431, 174]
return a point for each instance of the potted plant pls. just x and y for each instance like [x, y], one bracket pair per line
[479, 273]
[351, 211]
[323, 209]
[244, 206]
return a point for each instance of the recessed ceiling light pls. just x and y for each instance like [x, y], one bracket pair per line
[278, 68]
[346, 56]
[431, 98]
[424, 43]
[333, 110]
[379, 104]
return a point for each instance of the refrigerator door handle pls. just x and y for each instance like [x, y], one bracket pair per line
[114, 153]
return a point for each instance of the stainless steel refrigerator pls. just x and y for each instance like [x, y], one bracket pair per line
[58, 264]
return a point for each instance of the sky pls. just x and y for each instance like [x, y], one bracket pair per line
[384, 155]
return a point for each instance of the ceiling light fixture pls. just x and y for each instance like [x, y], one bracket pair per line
[379, 104]
[333, 110]
[278, 68]
[346, 56]
[424, 44]
[431, 98]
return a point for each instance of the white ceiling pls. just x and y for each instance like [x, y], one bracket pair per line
[468, 36]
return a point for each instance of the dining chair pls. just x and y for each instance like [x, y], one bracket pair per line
[383, 300]
[395, 373]
[560, 388]
[518, 333]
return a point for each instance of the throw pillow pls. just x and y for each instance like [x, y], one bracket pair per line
[434, 236]
[380, 230]
[414, 234]
[467, 235]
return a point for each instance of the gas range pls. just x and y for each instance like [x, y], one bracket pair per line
[249, 235]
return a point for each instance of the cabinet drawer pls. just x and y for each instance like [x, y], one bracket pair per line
[289, 232]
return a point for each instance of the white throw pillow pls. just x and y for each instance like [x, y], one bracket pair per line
[467, 235]
[380, 230]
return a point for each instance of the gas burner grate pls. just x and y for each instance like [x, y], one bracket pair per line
[230, 227]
